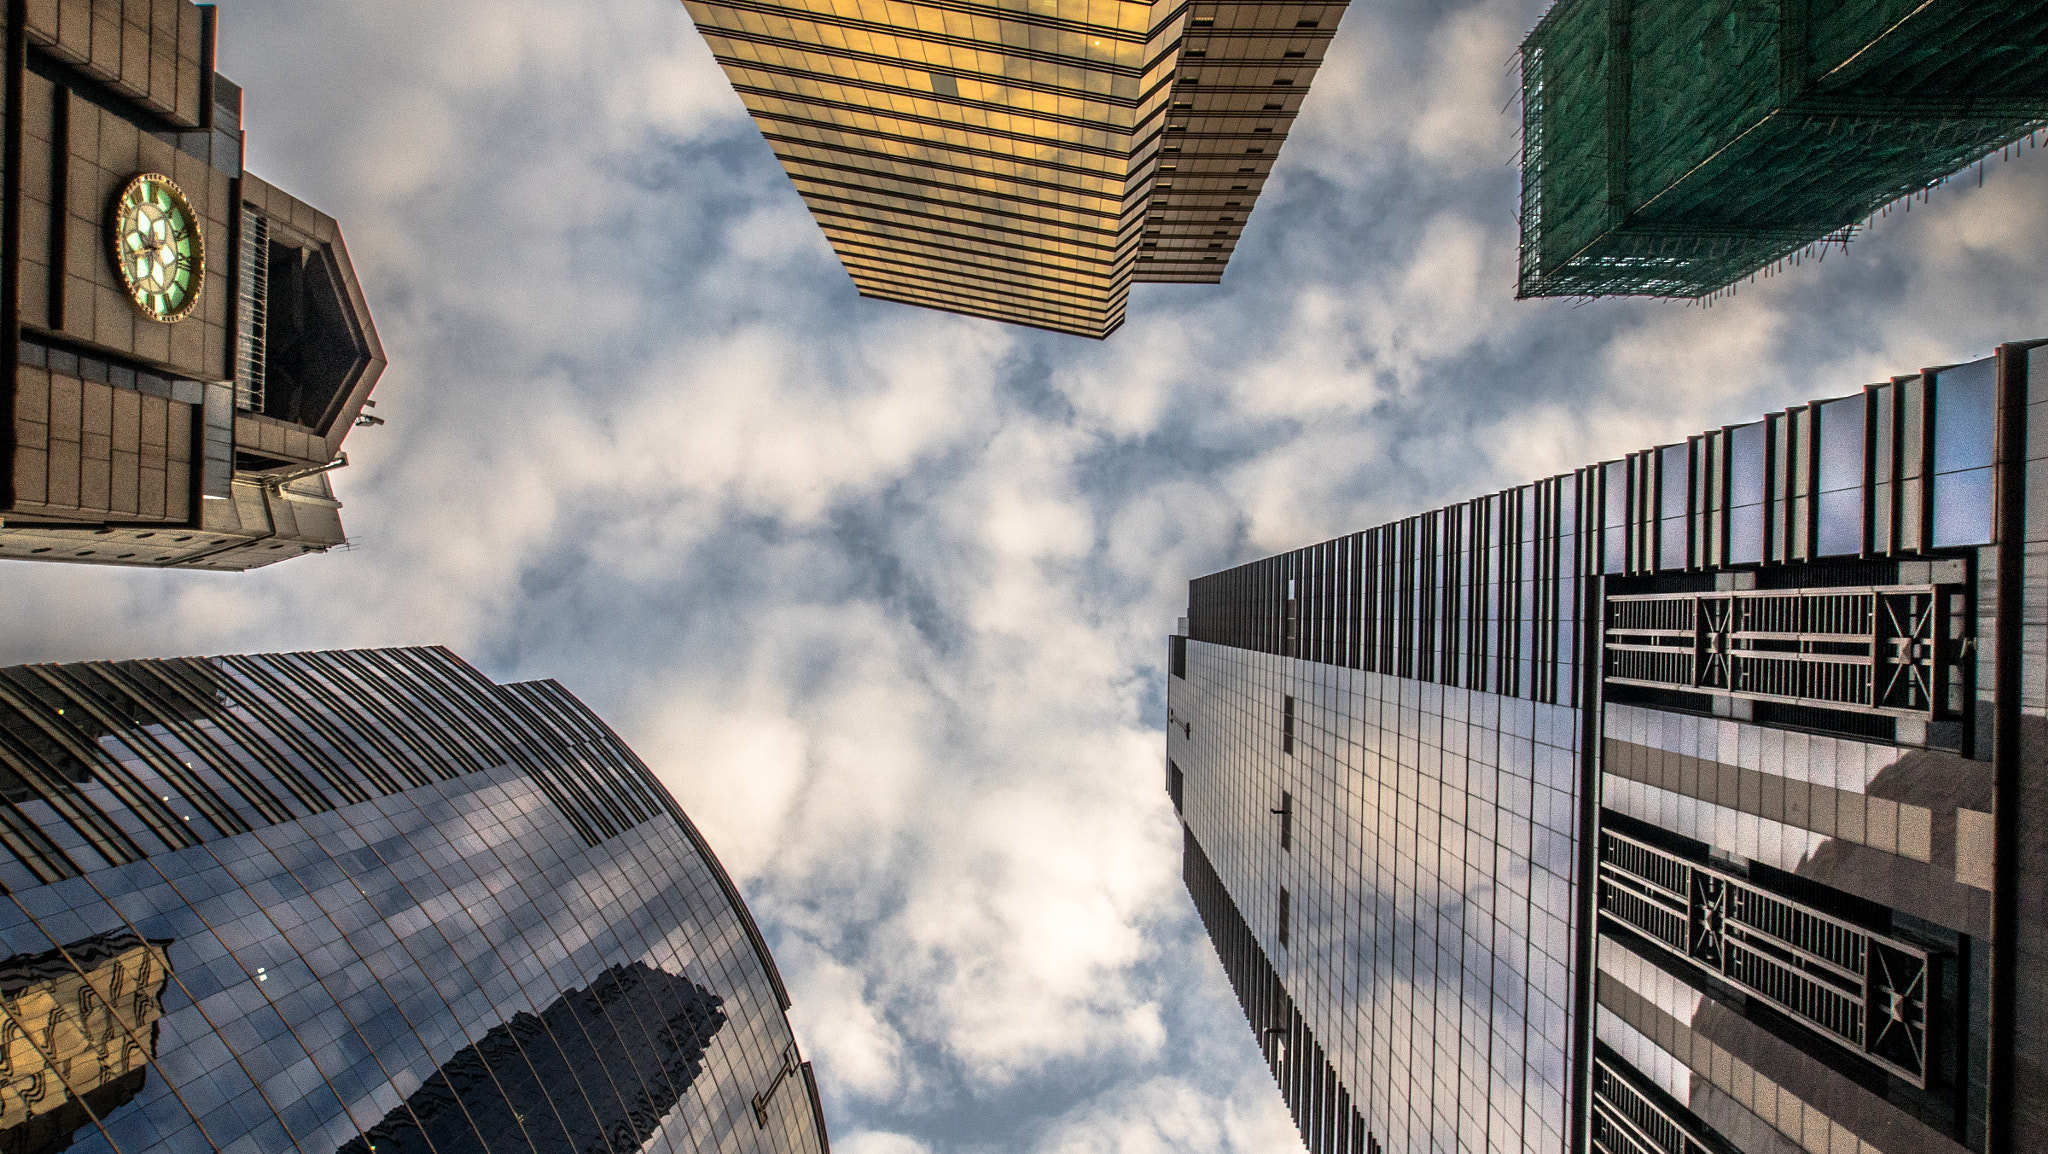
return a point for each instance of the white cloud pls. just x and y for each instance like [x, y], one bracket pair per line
[848, 1036]
[1171, 1116]
[881, 593]
[879, 1142]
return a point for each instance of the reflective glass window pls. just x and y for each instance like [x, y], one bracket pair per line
[1841, 477]
[1614, 531]
[1746, 494]
[1965, 403]
[1674, 490]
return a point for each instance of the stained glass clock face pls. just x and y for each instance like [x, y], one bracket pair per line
[159, 249]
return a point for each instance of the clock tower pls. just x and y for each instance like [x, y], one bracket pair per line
[189, 344]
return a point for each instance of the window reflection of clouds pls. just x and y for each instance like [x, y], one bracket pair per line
[1431, 901]
[325, 967]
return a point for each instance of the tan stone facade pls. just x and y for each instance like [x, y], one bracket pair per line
[132, 440]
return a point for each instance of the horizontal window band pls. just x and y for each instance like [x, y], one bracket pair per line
[943, 125]
[733, 64]
[1106, 127]
[1199, 34]
[799, 172]
[884, 60]
[981, 11]
[1185, 190]
[867, 254]
[1196, 87]
[852, 148]
[1050, 237]
[1001, 301]
[877, 113]
[878, 265]
[1081, 330]
[1049, 303]
[967, 256]
[915, 36]
[880, 199]
[993, 308]
[1189, 142]
[999, 296]
[1056, 237]
[837, 156]
[736, 63]
[857, 254]
[992, 162]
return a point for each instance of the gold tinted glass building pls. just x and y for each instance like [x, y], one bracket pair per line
[191, 345]
[1024, 161]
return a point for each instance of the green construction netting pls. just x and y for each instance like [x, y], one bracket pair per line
[1739, 132]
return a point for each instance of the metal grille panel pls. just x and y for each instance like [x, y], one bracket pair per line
[1627, 1120]
[1858, 988]
[1889, 650]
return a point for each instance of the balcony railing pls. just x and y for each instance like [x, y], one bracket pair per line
[1888, 649]
[1857, 988]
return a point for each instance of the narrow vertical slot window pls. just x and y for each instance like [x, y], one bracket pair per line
[1912, 454]
[1674, 476]
[1884, 461]
[1287, 725]
[1614, 522]
[1779, 483]
[252, 312]
[1706, 500]
[1643, 517]
[1965, 400]
[1291, 624]
[1286, 814]
[1804, 456]
[1840, 489]
[1283, 915]
[1746, 458]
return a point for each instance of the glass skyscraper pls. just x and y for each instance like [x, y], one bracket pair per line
[366, 901]
[1673, 147]
[1686, 803]
[1022, 163]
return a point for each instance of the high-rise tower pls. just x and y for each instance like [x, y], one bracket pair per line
[191, 343]
[1673, 147]
[366, 901]
[1679, 804]
[1024, 164]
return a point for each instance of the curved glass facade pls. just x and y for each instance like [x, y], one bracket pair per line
[365, 901]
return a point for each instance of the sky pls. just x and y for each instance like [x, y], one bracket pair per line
[882, 594]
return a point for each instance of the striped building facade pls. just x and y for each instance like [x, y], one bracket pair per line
[1025, 163]
[1686, 803]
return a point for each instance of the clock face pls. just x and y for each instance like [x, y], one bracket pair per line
[159, 249]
